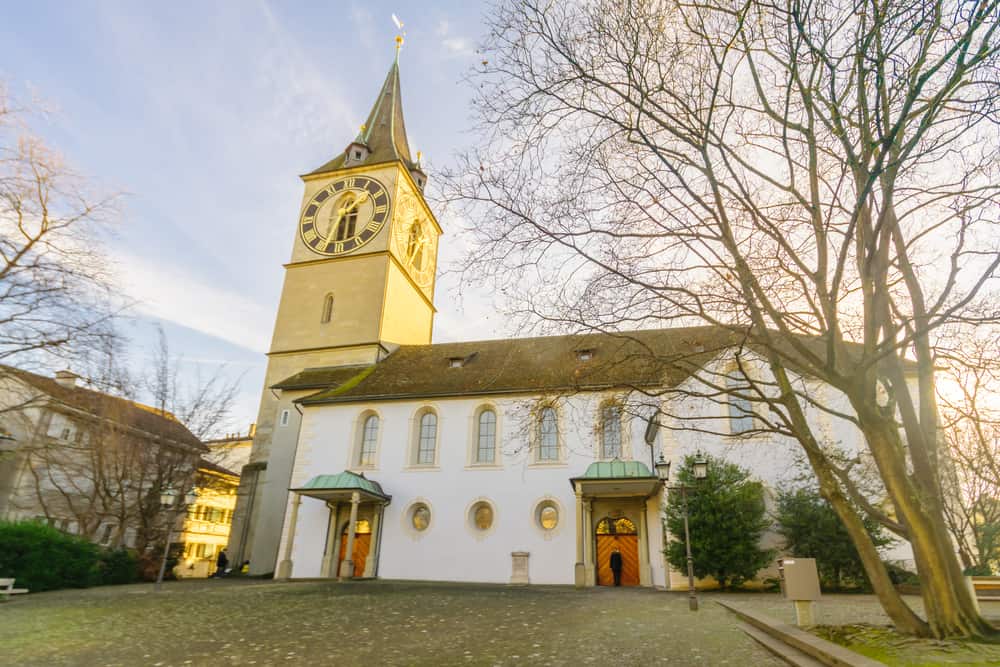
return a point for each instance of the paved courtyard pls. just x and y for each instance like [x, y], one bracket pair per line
[373, 623]
[385, 623]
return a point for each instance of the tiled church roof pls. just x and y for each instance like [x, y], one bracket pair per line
[584, 362]
[548, 364]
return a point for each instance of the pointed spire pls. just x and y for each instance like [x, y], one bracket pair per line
[383, 135]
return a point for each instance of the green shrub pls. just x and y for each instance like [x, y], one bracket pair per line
[812, 529]
[118, 566]
[727, 520]
[42, 558]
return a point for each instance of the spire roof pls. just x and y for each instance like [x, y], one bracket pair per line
[384, 132]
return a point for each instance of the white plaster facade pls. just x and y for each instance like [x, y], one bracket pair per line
[452, 548]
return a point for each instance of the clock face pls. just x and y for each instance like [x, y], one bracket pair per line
[415, 241]
[344, 215]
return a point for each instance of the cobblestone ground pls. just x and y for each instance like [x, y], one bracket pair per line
[370, 623]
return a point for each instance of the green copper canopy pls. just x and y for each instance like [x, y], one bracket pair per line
[343, 481]
[616, 469]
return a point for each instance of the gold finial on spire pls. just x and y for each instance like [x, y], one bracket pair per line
[420, 156]
[402, 33]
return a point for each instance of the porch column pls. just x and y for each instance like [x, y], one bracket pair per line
[588, 543]
[373, 545]
[579, 572]
[330, 557]
[645, 578]
[285, 566]
[347, 565]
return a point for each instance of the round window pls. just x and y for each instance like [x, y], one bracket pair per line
[482, 516]
[548, 516]
[421, 517]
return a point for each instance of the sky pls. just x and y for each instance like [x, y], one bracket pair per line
[204, 114]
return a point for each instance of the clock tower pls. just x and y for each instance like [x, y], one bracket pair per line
[360, 283]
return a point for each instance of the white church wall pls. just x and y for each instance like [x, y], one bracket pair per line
[452, 548]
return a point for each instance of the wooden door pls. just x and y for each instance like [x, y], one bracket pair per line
[628, 545]
[362, 542]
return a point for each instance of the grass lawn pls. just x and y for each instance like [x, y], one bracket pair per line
[233, 622]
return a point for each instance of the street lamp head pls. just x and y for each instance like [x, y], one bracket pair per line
[168, 496]
[662, 468]
[700, 467]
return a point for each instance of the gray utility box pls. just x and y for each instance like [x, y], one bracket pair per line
[799, 578]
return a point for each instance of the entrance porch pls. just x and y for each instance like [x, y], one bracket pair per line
[612, 515]
[354, 529]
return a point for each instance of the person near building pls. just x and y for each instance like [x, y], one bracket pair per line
[616, 566]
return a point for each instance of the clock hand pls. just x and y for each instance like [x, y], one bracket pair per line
[341, 212]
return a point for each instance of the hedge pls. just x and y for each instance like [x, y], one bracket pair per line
[43, 558]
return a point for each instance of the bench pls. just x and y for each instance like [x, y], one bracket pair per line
[7, 589]
[986, 588]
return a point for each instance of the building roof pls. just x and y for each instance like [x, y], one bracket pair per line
[546, 364]
[343, 481]
[205, 464]
[584, 362]
[384, 132]
[123, 411]
[616, 469]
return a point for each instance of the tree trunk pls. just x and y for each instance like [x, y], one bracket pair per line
[950, 608]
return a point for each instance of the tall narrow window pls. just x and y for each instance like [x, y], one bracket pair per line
[548, 435]
[427, 442]
[369, 439]
[327, 309]
[345, 217]
[740, 408]
[487, 437]
[611, 432]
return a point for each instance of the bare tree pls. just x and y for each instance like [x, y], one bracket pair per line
[55, 294]
[202, 404]
[818, 179]
[971, 427]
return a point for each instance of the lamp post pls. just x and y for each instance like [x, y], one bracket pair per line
[700, 471]
[170, 499]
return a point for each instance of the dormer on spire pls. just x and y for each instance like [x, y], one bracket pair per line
[383, 136]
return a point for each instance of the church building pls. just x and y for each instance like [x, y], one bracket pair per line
[380, 454]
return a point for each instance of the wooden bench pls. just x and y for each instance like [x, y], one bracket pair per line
[987, 588]
[7, 589]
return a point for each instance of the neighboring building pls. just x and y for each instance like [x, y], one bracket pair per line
[85, 461]
[207, 524]
[380, 454]
[233, 450]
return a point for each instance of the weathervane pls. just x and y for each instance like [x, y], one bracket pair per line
[402, 33]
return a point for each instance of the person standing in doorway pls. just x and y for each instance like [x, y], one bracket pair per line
[616, 566]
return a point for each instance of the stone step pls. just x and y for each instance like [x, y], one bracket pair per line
[789, 654]
[827, 653]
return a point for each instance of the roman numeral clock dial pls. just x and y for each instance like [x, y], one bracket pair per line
[344, 215]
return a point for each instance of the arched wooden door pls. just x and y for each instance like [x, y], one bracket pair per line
[362, 543]
[617, 534]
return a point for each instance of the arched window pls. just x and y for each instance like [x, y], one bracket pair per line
[347, 221]
[740, 408]
[611, 432]
[548, 435]
[486, 437]
[327, 309]
[427, 439]
[369, 440]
